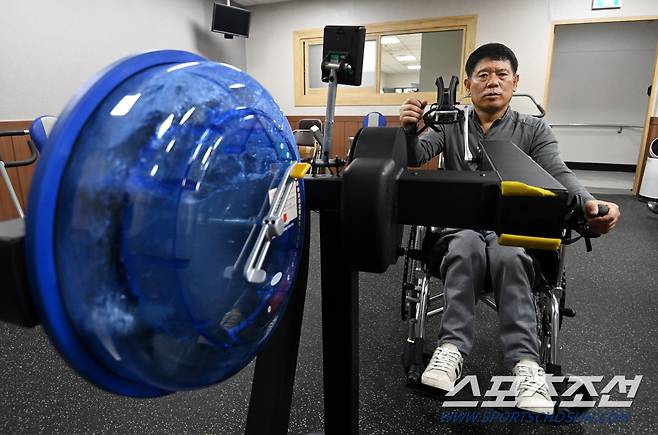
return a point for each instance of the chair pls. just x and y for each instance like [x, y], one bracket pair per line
[307, 140]
[374, 119]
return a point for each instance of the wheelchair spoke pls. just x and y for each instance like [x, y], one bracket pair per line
[435, 312]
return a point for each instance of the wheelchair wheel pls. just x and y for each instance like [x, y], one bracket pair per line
[549, 311]
[408, 275]
[543, 325]
[414, 358]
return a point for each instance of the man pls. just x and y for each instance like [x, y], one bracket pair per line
[491, 79]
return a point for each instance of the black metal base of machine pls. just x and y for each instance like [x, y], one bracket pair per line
[15, 303]
[274, 376]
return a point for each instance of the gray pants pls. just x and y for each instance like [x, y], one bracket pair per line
[464, 270]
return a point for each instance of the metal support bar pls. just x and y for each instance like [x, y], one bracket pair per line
[272, 227]
[421, 310]
[435, 297]
[10, 189]
[619, 128]
[340, 329]
[555, 330]
[274, 376]
[331, 110]
[490, 302]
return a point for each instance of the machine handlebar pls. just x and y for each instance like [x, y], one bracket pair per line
[578, 222]
[34, 153]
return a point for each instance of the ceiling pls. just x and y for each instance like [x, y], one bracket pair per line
[409, 45]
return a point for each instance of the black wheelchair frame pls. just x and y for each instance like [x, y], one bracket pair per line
[549, 291]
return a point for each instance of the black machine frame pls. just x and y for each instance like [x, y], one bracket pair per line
[379, 189]
[377, 183]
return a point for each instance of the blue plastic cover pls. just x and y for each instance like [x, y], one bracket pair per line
[158, 207]
[374, 119]
[40, 130]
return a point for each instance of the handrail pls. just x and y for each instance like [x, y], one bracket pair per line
[542, 112]
[619, 128]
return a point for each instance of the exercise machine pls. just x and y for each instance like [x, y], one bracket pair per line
[166, 238]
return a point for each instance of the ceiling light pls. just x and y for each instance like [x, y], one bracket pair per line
[413, 66]
[386, 40]
[406, 58]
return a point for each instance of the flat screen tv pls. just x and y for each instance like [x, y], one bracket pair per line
[230, 20]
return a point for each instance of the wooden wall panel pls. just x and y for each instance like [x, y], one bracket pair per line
[7, 210]
[14, 148]
[25, 173]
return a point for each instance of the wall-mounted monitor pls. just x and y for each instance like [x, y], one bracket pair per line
[230, 20]
[344, 45]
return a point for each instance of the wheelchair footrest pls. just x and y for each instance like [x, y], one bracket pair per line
[554, 369]
[425, 391]
[413, 354]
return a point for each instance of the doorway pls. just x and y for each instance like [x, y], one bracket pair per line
[597, 97]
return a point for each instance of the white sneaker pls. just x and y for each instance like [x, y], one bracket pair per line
[530, 388]
[444, 368]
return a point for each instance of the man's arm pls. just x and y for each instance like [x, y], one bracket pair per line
[430, 143]
[545, 152]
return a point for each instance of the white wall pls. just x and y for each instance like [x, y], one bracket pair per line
[600, 75]
[399, 80]
[523, 25]
[441, 56]
[48, 49]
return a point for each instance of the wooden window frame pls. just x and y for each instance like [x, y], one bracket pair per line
[358, 96]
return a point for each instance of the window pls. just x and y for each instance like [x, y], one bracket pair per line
[400, 58]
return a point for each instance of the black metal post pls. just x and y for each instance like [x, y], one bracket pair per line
[340, 330]
[274, 376]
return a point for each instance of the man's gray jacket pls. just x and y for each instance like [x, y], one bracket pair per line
[530, 134]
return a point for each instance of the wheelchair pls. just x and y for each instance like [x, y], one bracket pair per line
[421, 298]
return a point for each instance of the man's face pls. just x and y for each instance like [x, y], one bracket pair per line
[491, 85]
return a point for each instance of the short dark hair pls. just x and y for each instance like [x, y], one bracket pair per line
[493, 51]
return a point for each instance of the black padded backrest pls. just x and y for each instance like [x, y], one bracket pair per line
[304, 137]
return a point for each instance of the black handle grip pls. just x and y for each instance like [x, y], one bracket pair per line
[588, 234]
[410, 129]
[34, 153]
[603, 210]
[13, 133]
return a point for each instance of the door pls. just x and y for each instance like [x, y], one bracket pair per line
[650, 126]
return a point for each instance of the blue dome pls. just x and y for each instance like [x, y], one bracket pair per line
[160, 199]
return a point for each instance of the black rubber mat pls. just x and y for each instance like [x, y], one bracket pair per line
[612, 289]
